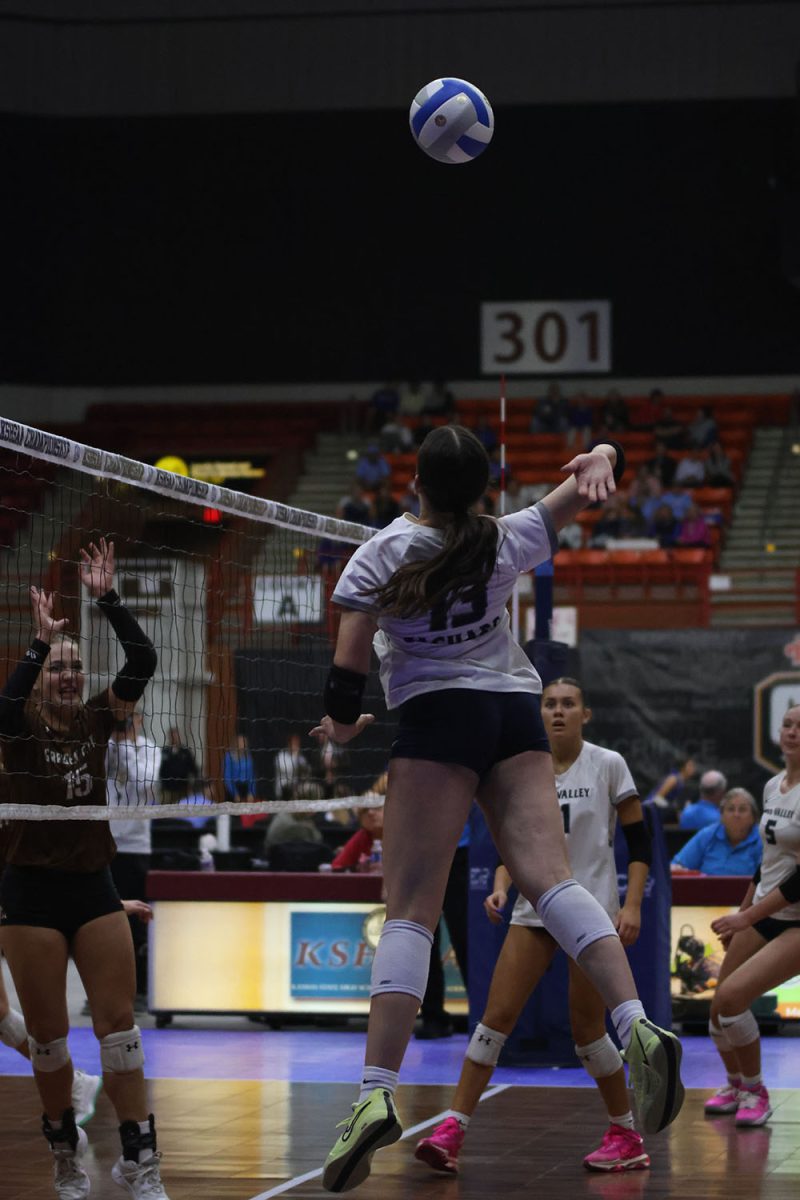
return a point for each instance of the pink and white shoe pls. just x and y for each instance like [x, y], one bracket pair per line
[440, 1150]
[620, 1150]
[725, 1100]
[754, 1108]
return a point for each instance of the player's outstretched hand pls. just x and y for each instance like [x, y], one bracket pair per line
[493, 906]
[341, 733]
[97, 568]
[45, 627]
[594, 475]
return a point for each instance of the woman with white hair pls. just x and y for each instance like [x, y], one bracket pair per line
[731, 846]
[706, 809]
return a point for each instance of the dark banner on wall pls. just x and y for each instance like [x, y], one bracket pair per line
[716, 696]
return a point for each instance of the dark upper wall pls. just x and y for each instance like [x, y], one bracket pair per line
[324, 247]
[113, 57]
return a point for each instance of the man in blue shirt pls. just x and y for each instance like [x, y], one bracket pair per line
[705, 810]
[731, 846]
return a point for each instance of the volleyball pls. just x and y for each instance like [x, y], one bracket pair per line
[451, 120]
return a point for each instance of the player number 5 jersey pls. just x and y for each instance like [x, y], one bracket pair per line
[780, 834]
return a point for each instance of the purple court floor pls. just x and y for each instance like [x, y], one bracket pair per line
[322, 1056]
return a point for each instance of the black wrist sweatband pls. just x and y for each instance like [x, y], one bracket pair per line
[343, 692]
[790, 888]
[140, 656]
[638, 840]
[619, 469]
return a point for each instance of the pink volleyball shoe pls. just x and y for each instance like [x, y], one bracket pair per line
[725, 1100]
[754, 1108]
[440, 1150]
[620, 1150]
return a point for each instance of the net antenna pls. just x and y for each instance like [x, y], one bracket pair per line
[240, 615]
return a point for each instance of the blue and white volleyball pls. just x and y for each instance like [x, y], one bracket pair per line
[451, 120]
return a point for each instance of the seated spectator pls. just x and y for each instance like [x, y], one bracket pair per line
[441, 401]
[395, 438]
[178, 768]
[359, 847]
[570, 536]
[485, 435]
[580, 418]
[669, 430]
[550, 412]
[291, 827]
[702, 430]
[646, 497]
[372, 468]
[383, 405]
[693, 529]
[650, 411]
[289, 764]
[663, 465]
[355, 507]
[719, 472]
[670, 792]
[705, 810]
[664, 526]
[615, 417]
[617, 520]
[414, 398]
[329, 761]
[238, 772]
[679, 499]
[385, 508]
[691, 470]
[730, 846]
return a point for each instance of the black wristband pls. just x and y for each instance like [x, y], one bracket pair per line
[140, 656]
[343, 692]
[619, 469]
[37, 651]
[111, 598]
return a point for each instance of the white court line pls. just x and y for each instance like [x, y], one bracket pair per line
[298, 1179]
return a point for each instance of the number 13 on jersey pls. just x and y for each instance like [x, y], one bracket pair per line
[546, 336]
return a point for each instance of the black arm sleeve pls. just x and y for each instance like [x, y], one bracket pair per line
[757, 875]
[18, 688]
[343, 692]
[140, 655]
[640, 846]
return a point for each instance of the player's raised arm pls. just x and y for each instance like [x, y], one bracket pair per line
[592, 477]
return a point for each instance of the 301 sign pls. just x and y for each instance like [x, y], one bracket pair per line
[541, 337]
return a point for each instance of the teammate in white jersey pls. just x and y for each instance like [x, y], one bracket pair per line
[434, 590]
[594, 788]
[762, 941]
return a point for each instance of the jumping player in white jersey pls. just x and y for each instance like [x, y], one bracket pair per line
[594, 788]
[762, 941]
[434, 590]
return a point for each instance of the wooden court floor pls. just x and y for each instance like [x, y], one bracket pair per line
[239, 1140]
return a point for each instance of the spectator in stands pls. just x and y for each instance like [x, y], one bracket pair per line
[355, 506]
[669, 794]
[515, 497]
[669, 430]
[719, 472]
[691, 470]
[238, 772]
[440, 402]
[664, 526]
[550, 412]
[580, 417]
[485, 435]
[357, 850]
[385, 508]
[133, 767]
[383, 405]
[730, 846]
[291, 826]
[663, 465]
[649, 412]
[679, 499]
[615, 418]
[646, 497]
[693, 529]
[617, 520]
[414, 397]
[178, 769]
[395, 438]
[331, 557]
[702, 431]
[570, 536]
[328, 761]
[705, 810]
[372, 468]
[289, 765]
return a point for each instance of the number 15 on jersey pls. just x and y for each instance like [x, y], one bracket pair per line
[546, 337]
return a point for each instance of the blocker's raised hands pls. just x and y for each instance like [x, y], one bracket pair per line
[44, 625]
[97, 568]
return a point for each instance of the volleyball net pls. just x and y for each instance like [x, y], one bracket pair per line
[232, 588]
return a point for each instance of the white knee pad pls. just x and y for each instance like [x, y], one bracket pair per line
[719, 1037]
[122, 1052]
[740, 1030]
[573, 917]
[485, 1045]
[402, 959]
[12, 1029]
[601, 1058]
[48, 1056]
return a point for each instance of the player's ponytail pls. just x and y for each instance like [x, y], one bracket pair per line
[453, 472]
